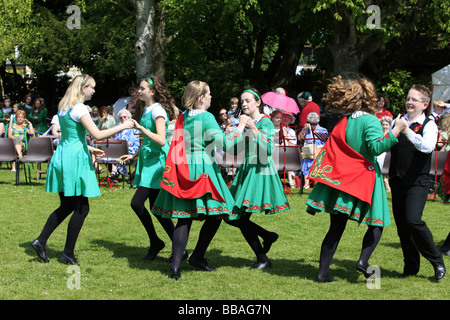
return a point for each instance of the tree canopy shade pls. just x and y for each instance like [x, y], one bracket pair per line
[14, 26]
[230, 44]
[353, 40]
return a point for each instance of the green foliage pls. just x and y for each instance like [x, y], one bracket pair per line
[395, 87]
[15, 25]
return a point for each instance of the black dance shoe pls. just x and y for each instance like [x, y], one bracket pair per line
[40, 249]
[201, 264]
[268, 243]
[154, 250]
[362, 266]
[439, 271]
[175, 273]
[261, 265]
[328, 278]
[66, 259]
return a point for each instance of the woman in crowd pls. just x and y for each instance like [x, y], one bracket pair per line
[224, 120]
[312, 137]
[280, 130]
[386, 123]
[107, 119]
[95, 115]
[349, 180]
[27, 104]
[383, 106]
[5, 115]
[444, 133]
[18, 132]
[38, 116]
[257, 186]
[129, 135]
[193, 187]
[70, 172]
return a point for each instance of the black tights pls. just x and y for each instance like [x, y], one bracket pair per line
[80, 207]
[251, 231]
[181, 236]
[138, 205]
[332, 238]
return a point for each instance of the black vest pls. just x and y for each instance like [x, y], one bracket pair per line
[408, 165]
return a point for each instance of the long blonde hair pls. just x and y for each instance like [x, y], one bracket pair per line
[73, 93]
[194, 90]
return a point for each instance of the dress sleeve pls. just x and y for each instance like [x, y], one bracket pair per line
[78, 111]
[378, 142]
[159, 111]
[265, 139]
[221, 141]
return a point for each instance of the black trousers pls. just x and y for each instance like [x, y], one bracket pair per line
[408, 203]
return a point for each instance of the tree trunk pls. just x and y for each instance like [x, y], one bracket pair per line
[150, 40]
[143, 46]
[281, 71]
[350, 48]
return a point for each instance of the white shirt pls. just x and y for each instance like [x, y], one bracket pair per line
[77, 111]
[427, 142]
[158, 111]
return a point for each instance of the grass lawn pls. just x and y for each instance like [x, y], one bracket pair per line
[113, 243]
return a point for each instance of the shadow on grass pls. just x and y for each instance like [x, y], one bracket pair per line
[299, 268]
[29, 250]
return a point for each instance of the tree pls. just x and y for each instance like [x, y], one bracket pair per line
[14, 28]
[352, 40]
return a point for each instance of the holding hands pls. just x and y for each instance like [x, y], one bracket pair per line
[125, 158]
[129, 124]
[400, 126]
[243, 121]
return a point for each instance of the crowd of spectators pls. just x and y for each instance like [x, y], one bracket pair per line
[302, 130]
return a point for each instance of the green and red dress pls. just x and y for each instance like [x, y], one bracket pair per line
[257, 186]
[192, 185]
[348, 176]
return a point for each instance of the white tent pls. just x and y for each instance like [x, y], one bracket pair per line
[440, 81]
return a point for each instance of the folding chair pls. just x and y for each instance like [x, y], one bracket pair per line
[114, 150]
[39, 150]
[288, 158]
[8, 151]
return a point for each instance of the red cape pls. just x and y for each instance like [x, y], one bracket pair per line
[342, 168]
[176, 179]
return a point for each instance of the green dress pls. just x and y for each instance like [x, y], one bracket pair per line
[364, 135]
[152, 156]
[257, 186]
[71, 171]
[202, 135]
[40, 122]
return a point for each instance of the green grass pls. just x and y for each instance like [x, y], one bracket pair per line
[113, 243]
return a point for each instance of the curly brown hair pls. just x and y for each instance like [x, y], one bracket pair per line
[350, 95]
[163, 96]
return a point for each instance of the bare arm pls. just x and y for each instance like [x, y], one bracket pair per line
[98, 134]
[160, 136]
